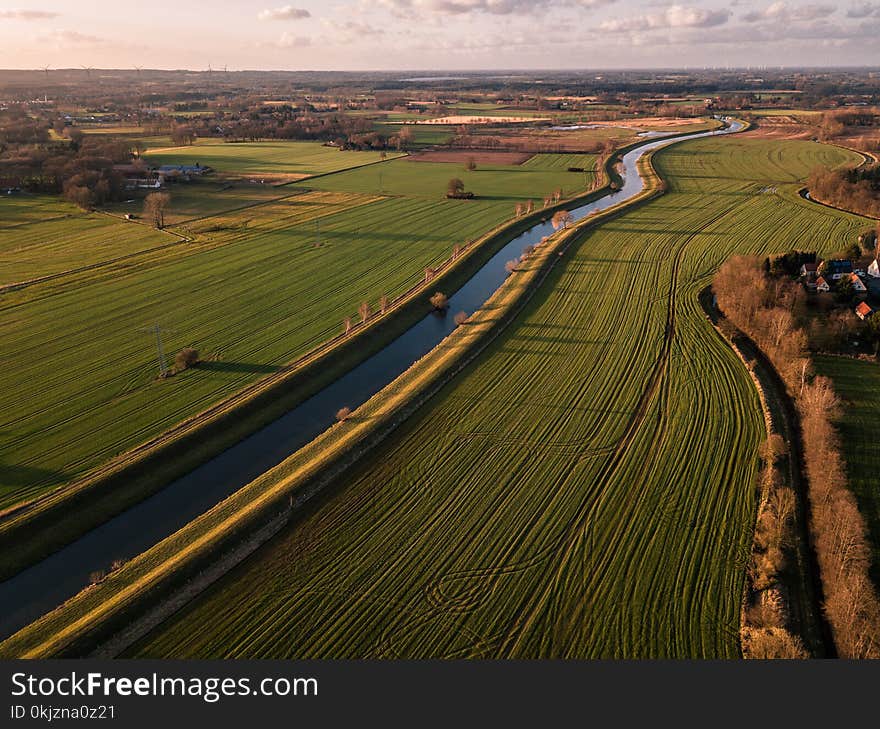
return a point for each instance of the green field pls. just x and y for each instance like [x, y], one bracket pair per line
[251, 290]
[265, 158]
[858, 383]
[204, 197]
[513, 183]
[586, 488]
[42, 236]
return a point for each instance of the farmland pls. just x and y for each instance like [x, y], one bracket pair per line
[586, 488]
[290, 159]
[252, 289]
[857, 382]
[493, 182]
[43, 236]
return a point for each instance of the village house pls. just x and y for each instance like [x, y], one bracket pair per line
[837, 269]
[864, 312]
[874, 269]
[822, 286]
[858, 287]
[809, 271]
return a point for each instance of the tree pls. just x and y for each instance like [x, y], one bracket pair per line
[461, 318]
[471, 164]
[561, 219]
[511, 266]
[383, 304]
[155, 206]
[364, 311]
[347, 323]
[186, 358]
[439, 301]
[455, 187]
[343, 414]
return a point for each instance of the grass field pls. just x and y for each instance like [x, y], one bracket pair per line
[584, 489]
[42, 236]
[265, 158]
[252, 291]
[498, 183]
[858, 383]
[205, 197]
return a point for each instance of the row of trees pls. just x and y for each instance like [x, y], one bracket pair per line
[857, 190]
[763, 308]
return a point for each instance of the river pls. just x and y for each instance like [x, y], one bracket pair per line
[42, 587]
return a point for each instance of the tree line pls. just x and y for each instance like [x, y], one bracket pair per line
[763, 307]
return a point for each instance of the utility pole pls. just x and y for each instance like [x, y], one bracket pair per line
[160, 352]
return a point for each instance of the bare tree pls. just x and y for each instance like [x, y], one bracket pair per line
[383, 304]
[364, 311]
[471, 164]
[155, 206]
[461, 318]
[348, 324]
[343, 414]
[561, 219]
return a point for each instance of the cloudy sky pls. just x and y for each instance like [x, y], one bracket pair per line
[435, 34]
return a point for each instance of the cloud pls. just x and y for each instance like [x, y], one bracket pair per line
[71, 39]
[288, 40]
[781, 11]
[353, 30]
[864, 10]
[28, 14]
[288, 12]
[412, 8]
[675, 16]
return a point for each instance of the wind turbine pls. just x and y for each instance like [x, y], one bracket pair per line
[46, 71]
[88, 71]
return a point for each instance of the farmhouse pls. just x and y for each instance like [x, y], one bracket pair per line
[809, 271]
[822, 286]
[864, 312]
[837, 269]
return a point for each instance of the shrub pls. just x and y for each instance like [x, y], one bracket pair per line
[186, 358]
[512, 266]
[343, 414]
[461, 318]
[440, 301]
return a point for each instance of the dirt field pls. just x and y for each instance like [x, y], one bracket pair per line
[463, 155]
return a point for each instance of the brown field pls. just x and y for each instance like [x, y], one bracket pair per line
[460, 119]
[463, 155]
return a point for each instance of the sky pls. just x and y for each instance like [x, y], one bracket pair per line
[438, 34]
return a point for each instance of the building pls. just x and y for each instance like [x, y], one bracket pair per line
[864, 312]
[874, 269]
[857, 286]
[809, 271]
[837, 269]
[822, 286]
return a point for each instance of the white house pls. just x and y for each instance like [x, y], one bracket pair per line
[874, 269]
[822, 286]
